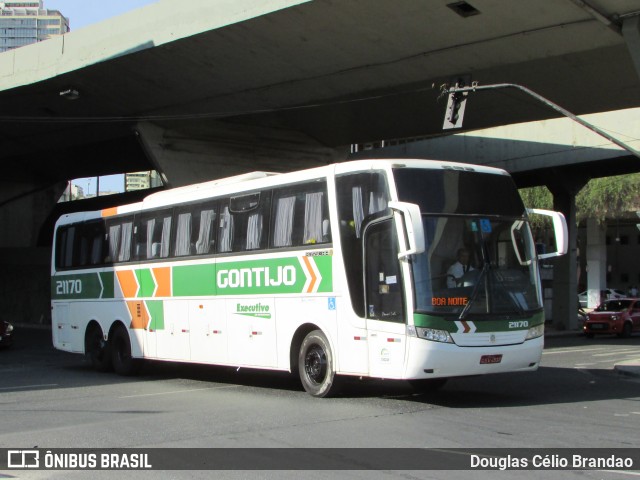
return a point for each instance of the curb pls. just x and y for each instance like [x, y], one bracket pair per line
[630, 369]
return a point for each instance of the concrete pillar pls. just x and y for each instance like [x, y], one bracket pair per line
[24, 207]
[25, 273]
[596, 262]
[230, 149]
[631, 34]
[565, 271]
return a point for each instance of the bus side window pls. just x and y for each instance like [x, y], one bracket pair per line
[119, 236]
[64, 243]
[359, 195]
[300, 216]
[91, 243]
[226, 229]
[283, 217]
[243, 222]
[140, 242]
[314, 225]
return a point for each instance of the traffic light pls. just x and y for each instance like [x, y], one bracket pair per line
[455, 106]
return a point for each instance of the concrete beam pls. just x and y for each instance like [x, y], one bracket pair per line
[631, 34]
[230, 149]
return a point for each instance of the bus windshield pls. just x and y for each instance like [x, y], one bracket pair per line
[480, 258]
[476, 266]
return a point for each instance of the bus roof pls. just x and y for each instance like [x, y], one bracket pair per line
[258, 179]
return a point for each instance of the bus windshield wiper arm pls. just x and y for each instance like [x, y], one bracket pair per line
[474, 293]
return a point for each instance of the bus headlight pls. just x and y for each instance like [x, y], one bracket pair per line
[535, 332]
[434, 335]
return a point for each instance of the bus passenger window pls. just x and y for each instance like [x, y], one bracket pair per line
[300, 216]
[254, 231]
[226, 231]
[119, 241]
[313, 220]
[206, 239]
[283, 223]
[183, 235]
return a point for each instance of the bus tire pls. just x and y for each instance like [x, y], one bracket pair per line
[97, 349]
[316, 365]
[123, 363]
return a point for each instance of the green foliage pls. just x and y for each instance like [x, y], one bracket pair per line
[609, 197]
[601, 198]
[537, 197]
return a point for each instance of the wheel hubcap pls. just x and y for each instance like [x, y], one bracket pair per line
[315, 364]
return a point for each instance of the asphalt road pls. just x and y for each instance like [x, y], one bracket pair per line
[52, 399]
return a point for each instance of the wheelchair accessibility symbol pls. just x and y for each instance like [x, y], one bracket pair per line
[332, 303]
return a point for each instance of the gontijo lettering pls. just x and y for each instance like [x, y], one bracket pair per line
[257, 276]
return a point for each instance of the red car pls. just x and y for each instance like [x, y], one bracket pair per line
[619, 316]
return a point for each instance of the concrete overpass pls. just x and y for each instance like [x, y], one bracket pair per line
[214, 88]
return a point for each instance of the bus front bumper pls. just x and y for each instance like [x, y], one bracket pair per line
[427, 359]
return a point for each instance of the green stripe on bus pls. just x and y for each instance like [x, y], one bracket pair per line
[194, 280]
[156, 312]
[146, 282]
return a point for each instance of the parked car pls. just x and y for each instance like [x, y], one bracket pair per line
[620, 316]
[606, 294]
[6, 334]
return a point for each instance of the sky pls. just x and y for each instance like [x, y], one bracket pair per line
[85, 12]
[80, 14]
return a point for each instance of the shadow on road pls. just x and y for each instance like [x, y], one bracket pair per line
[34, 364]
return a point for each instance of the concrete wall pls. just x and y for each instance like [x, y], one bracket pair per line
[25, 296]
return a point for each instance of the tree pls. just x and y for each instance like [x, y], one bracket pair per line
[601, 198]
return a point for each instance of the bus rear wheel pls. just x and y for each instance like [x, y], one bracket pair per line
[97, 349]
[123, 362]
[316, 365]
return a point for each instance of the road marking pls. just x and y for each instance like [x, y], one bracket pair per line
[621, 472]
[597, 349]
[619, 352]
[179, 391]
[22, 387]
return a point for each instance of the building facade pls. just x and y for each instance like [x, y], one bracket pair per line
[142, 180]
[24, 22]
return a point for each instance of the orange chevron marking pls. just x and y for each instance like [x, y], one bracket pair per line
[314, 279]
[128, 283]
[139, 316]
[163, 280]
[467, 328]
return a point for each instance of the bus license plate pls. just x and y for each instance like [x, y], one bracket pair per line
[484, 359]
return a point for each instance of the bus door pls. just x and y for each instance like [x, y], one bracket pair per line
[385, 308]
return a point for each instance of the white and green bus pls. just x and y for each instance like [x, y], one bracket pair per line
[342, 270]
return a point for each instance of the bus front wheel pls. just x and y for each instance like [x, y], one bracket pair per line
[316, 365]
[123, 362]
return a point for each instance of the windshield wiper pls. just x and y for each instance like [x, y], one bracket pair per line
[474, 293]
